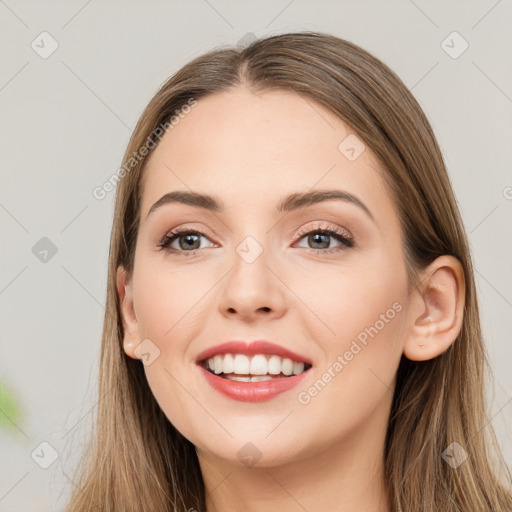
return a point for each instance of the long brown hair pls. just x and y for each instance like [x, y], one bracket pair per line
[137, 461]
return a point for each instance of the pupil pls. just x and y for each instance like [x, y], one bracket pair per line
[315, 236]
[189, 240]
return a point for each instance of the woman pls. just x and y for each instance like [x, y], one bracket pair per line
[291, 320]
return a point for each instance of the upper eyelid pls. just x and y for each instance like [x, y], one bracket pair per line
[201, 231]
[335, 229]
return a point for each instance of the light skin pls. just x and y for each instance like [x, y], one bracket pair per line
[250, 150]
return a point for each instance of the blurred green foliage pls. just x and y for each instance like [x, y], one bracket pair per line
[10, 410]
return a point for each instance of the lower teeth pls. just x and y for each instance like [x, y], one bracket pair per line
[254, 378]
[251, 378]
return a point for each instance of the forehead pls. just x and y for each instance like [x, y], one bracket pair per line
[254, 148]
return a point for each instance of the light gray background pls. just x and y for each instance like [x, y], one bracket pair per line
[66, 121]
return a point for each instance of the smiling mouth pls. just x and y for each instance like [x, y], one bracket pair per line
[257, 368]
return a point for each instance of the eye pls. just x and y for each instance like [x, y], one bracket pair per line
[189, 241]
[320, 237]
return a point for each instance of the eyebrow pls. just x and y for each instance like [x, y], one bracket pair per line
[291, 202]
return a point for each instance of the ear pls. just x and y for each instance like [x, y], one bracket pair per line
[437, 309]
[130, 325]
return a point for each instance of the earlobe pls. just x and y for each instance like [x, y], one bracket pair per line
[129, 348]
[437, 308]
[131, 338]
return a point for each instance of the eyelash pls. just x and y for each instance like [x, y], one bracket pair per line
[341, 236]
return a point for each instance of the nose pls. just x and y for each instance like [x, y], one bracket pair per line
[252, 290]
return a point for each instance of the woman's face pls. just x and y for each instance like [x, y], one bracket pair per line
[261, 272]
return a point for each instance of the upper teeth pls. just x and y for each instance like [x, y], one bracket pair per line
[258, 364]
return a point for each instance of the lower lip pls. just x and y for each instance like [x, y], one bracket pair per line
[252, 391]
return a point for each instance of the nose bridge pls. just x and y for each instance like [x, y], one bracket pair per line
[251, 260]
[251, 237]
[255, 247]
[251, 248]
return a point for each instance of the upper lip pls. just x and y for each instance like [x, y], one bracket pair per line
[251, 348]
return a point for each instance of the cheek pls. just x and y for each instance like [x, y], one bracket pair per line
[171, 306]
[362, 313]
[370, 310]
[166, 297]
[366, 311]
[170, 390]
[354, 382]
[347, 300]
